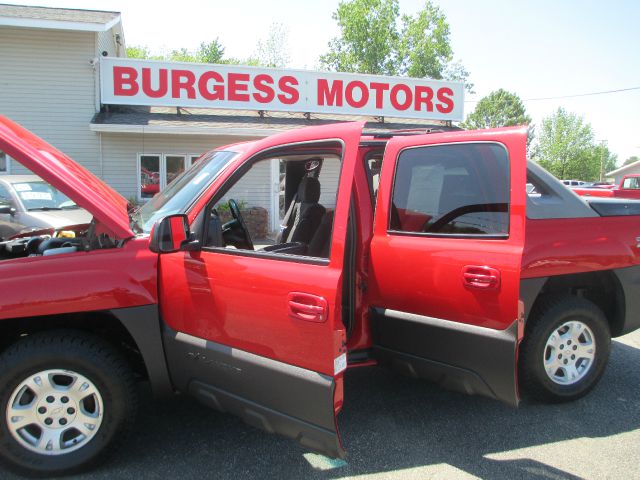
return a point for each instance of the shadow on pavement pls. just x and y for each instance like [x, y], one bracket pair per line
[389, 423]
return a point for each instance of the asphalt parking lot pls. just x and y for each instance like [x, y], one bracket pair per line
[395, 427]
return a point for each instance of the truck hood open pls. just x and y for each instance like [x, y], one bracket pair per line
[108, 207]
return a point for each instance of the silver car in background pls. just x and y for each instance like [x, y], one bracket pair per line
[29, 203]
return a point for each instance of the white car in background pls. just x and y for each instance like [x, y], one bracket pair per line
[29, 203]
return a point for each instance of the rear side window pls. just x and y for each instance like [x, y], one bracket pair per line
[631, 182]
[457, 190]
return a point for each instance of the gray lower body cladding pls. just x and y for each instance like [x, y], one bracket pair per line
[460, 357]
[277, 397]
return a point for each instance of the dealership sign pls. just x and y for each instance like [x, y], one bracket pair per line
[126, 81]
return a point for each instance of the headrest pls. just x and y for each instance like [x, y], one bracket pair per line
[309, 190]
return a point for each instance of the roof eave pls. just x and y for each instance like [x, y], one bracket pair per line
[622, 169]
[185, 130]
[58, 24]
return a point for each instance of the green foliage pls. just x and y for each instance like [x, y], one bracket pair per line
[369, 38]
[567, 149]
[631, 160]
[223, 206]
[271, 52]
[211, 52]
[138, 51]
[498, 109]
[376, 39]
[142, 52]
[182, 55]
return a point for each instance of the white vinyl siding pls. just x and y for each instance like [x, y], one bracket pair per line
[120, 153]
[254, 188]
[47, 84]
[107, 43]
[329, 178]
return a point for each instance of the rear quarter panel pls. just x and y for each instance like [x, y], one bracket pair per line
[575, 245]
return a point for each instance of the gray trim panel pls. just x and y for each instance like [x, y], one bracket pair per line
[266, 393]
[630, 280]
[143, 324]
[557, 201]
[459, 356]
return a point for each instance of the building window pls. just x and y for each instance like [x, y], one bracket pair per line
[174, 166]
[157, 170]
[148, 175]
[5, 164]
[193, 158]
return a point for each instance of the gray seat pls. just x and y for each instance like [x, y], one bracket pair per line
[304, 214]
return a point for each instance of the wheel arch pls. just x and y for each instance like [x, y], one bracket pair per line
[135, 332]
[603, 288]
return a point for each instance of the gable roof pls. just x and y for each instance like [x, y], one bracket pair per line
[57, 18]
[623, 169]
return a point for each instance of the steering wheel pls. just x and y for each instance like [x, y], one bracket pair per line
[237, 216]
[460, 211]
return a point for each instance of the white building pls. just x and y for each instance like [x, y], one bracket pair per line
[50, 82]
[618, 174]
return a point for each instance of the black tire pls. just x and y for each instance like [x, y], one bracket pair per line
[548, 315]
[83, 354]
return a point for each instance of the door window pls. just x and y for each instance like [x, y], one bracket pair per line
[457, 190]
[631, 182]
[286, 206]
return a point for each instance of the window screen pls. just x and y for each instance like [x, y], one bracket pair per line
[460, 189]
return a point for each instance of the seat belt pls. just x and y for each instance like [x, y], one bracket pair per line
[284, 227]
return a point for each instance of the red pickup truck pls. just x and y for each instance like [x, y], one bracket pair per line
[417, 251]
[629, 188]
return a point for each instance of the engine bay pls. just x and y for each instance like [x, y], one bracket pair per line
[56, 241]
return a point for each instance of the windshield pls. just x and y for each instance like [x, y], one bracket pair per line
[40, 195]
[181, 191]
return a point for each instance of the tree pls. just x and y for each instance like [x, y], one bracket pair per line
[498, 109]
[212, 52]
[604, 159]
[182, 55]
[142, 52]
[566, 147]
[375, 39]
[631, 160]
[272, 51]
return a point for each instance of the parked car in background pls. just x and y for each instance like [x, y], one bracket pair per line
[575, 183]
[629, 188]
[29, 203]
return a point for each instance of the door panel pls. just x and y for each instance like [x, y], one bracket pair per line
[260, 334]
[458, 265]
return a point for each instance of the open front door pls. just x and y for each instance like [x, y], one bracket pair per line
[446, 256]
[257, 331]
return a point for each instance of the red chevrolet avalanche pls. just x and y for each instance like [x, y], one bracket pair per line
[417, 251]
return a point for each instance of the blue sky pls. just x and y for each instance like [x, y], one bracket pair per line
[535, 49]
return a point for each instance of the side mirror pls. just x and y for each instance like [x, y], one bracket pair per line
[170, 234]
[7, 210]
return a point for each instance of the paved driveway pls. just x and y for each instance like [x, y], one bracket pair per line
[396, 427]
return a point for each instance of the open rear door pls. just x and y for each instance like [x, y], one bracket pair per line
[446, 256]
[259, 332]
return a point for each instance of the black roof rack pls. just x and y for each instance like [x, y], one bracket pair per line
[411, 131]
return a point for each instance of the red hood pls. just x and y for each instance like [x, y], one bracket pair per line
[107, 206]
